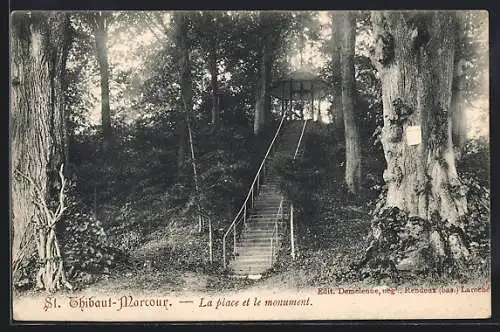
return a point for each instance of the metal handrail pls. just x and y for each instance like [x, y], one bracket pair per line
[300, 139]
[243, 211]
[292, 236]
[274, 235]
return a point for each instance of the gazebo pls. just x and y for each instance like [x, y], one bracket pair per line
[301, 92]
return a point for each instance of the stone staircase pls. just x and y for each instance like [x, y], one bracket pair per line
[254, 253]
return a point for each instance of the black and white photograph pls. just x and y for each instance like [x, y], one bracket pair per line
[249, 165]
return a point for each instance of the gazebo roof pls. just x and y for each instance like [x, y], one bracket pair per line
[299, 82]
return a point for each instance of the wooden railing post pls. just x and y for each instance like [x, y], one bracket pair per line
[292, 237]
[224, 252]
[272, 251]
[210, 241]
[245, 215]
[258, 182]
[234, 240]
[252, 198]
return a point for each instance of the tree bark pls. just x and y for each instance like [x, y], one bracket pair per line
[414, 55]
[101, 43]
[337, 111]
[352, 135]
[458, 119]
[40, 45]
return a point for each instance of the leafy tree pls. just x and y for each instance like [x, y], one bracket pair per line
[99, 24]
[469, 81]
[212, 31]
[336, 42]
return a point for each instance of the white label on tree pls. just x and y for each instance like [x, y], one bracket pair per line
[413, 135]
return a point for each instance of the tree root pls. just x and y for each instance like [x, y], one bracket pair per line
[403, 245]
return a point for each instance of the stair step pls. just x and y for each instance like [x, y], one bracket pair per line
[267, 220]
[266, 203]
[255, 242]
[244, 273]
[255, 238]
[263, 238]
[265, 261]
[251, 268]
[269, 200]
[252, 257]
[261, 226]
[261, 222]
[265, 210]
[264, 235]
[264, 217]
[264, 247]
[269, 197]
[268, 213]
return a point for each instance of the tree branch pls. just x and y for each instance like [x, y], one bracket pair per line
[160, 21]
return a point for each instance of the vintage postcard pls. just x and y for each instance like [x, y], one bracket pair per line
[218, 166]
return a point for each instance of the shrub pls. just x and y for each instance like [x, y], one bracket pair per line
[86, 250]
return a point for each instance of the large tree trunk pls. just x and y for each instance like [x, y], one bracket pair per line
[352, 136]
[185, 83]
[414, 55]
[337, 112]
[40, 45]
[101, 43]
[263, 97]
[187, 93]
[417, 90]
